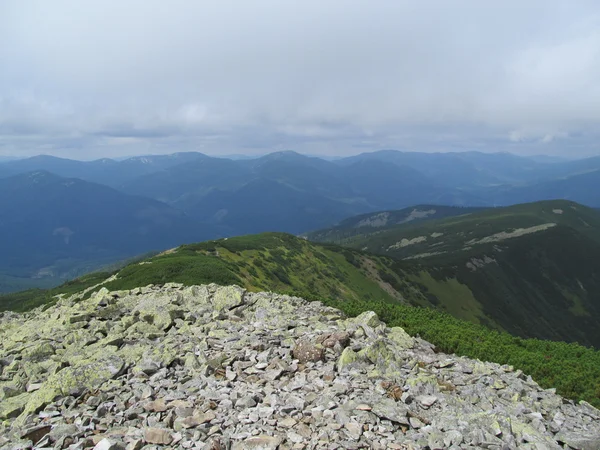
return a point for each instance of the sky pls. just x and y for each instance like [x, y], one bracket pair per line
[108, 78]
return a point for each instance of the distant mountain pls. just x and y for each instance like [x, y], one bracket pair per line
[503, 266]
[582, 188]
[105, 171]
[547, 159]
[54, 228]
[318, 193]
[268, 205]
[289, 192]
[458, 169]
[566, 169]
[181, 185]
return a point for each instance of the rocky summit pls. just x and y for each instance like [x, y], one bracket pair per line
[220, 368]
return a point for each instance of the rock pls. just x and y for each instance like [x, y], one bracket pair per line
[347, 359]
[390, 410]
[368, 318]
[288, 422]
[227, 298]
[427, 400]
[36, 433]
[354, 430]
[74, 380]
[246, 402]
[13, 406]
[401, 338]
[579, 441]
[158, 436]
[220, 368]
[331, 340]
[261, 442]
[158, 405]
[306, 351]
[106, 444]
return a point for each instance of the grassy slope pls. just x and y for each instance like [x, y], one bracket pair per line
[354, 282]
[544, 284]
[454, 234]
[353, 228]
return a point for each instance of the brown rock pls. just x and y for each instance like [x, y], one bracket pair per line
[329, 340]
[197, 419]
[262, 442]
[158, 436]
[156, 406]
[306, 351]
[35, 434]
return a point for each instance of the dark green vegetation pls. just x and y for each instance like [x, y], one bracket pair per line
[531, 270]
[453, 230]
[53, 229]
[354, 282]
[354, 228]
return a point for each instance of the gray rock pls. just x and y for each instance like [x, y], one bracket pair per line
[579, 441]
[220, 368]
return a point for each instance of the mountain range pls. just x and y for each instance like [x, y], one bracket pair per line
[54, 228]
[284, 191]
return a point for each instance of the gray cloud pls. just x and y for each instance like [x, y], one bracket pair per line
[90, 79]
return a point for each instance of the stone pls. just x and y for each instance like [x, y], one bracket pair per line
[246, 402]
[331, 340]
[158, 436]
[354, 430]
[368, 318]
[390, 410]
[36, 433]
[427, 400]
[306, 351]
[287, 422]
[106, 444]
[261, 442]
[216, 368]
[227, 298]
[347, 359]
[401, 339]
[579, 441]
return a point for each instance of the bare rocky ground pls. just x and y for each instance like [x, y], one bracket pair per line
[217, 368]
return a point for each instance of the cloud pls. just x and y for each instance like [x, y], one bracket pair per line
[88, 79]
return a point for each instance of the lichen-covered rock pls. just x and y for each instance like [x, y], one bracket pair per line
[400, 338]
[368, 318]
[219, 368]
[228, 298]
[347, 359]
[13, 406]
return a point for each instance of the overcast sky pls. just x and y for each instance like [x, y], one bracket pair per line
[86, 79]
